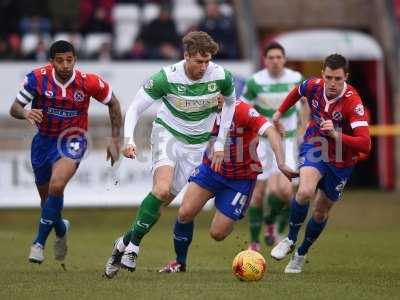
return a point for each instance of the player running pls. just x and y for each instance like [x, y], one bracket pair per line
[231, 186]
[189, 93]
[60, 98]
[337, 133]
[266, 90]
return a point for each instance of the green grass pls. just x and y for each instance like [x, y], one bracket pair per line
[357, 257]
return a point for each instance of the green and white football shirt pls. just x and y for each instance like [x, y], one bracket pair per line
[267, 93]
[189, 107]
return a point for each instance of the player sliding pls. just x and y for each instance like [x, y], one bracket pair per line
[337, 133]
[189, 92]
[231, 186]
[60, 98]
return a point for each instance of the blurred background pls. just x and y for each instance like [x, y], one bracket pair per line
[126, 41]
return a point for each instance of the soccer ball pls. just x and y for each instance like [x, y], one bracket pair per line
[249, 265]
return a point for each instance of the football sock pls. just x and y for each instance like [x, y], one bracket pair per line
[59, 225]
[283, 219]
[183, 234]
[255, 220]
[313, 230]
[146, 217]
[51, 213]
[275, 205]
[298, 214]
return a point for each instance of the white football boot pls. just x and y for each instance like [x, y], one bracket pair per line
[60, 246]
[113, 264]
[283, 248]
[36, 255]
[295, 264]
[128, 260]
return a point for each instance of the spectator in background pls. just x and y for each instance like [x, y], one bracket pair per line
[9, 16]
[222, 29]
[65, 15]
[159, 39]
[95, 15]
[35, 16]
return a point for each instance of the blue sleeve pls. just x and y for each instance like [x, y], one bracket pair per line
[303, 87]
[29, 89]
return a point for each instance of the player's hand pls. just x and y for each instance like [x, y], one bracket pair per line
[33, 115]
[217, 159]
[288, 172]
[113, 151]
[130, 151]
[278, 125]
[328, 128]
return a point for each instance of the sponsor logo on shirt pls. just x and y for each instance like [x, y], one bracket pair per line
[62, 112]
[49, 94]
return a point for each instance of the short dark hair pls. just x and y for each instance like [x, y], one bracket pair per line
[274, 45]
[336, 61]
[61, 47]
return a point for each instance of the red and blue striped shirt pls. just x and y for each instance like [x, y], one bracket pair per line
[241, 160]
[64, 106]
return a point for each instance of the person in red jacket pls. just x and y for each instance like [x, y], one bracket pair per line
[337, 133]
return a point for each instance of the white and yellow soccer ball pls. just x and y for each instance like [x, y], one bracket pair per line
[249, 265]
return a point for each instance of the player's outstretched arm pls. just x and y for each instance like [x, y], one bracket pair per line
[276, 143]
[140, 103]
[18, 111]
[114, 110]
[228, 110]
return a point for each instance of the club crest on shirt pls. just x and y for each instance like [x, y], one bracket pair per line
[212, 87]
[337, 116]
[359, 109]
[79, 96]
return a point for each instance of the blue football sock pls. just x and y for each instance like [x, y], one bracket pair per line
[298, 214]
[313, 230]
[183, 234]
[51, 213]
[59, 225]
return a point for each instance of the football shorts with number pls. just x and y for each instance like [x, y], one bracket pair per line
[232, 197]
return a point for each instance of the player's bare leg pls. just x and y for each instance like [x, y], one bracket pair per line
[147, 215]
[193, 201]
[221, 226]
[316, 224]
[309, 178]
[255, 214]
[62, 172]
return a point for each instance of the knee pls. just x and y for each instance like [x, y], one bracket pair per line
[162, 191]
[56, 187]
[304, 194]
[320, 215]
[218, 235]
[184, 215]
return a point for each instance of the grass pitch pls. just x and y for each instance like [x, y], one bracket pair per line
[357, 257]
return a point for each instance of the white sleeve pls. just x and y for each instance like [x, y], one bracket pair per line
[228, 110]
[140, 103]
